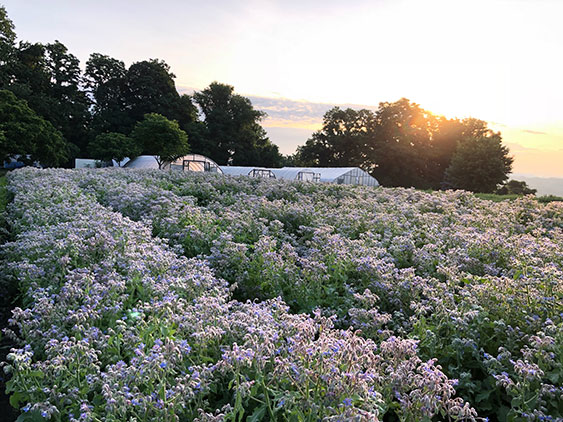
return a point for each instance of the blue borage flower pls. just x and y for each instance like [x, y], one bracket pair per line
[468, 243]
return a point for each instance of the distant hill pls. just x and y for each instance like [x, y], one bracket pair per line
[544, 185]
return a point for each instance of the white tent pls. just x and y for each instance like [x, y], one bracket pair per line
[297, 173]
[190, 162]
[340, 175]
[143, 162]
[248, 171]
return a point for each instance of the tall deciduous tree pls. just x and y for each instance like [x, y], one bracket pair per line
[233, 134]
[402, 144]
[114, 146]
[27, 136]
[344, 140]
[106, 82]
[7, 47]
[151, 89]
[479, 164]
[49, 78]
[161, 137]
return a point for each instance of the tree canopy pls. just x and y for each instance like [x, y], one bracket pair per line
[26, 136]
[114, 146]
[400, 143]
[233, 134]
[161, 137]
[515, 187]
[479, 165]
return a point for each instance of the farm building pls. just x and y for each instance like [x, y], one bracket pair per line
[339, 175]
[248, 171]
[297, 173]
[190, 162]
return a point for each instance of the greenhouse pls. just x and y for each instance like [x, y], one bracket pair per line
[190, 162]
[339, 175]
[248, 171]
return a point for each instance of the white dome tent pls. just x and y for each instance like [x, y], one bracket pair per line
[260, 172]
[190, 162]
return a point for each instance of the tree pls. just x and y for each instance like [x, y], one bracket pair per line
[151, 89]
[49, 78]
[402, 144]
[161, 137]
[114, 146]
[479, 165]
[233, 134]
[7, 47]
[27, 136]
[70, 104]
[106, 82]
[515, 187]
[344, 140]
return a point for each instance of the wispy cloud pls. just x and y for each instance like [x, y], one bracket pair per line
[534, 132]
[284, 112]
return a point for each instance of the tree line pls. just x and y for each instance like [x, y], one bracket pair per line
[51, 111]
[401, 144]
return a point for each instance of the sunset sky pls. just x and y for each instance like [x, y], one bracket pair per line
[500, 61]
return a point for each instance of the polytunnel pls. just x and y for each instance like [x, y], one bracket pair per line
[339, 175]
[248, 171]
[190, 162]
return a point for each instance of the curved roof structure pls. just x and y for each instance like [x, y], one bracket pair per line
[340, 175]
[195, 162]
[142, 162]
[190, 162]
[248, 171]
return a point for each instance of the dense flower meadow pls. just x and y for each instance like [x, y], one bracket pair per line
[152, 295]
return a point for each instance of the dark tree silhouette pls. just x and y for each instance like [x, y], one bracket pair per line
[233, 134]
[28, 137]
[344, 140]
[161, 137]
[114, 146]
[479, 164]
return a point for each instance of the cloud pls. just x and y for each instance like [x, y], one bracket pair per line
[534, 132]
[284, 112]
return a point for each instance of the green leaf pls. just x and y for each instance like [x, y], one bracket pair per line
[16, 399]
[34, 416]
[258, 414]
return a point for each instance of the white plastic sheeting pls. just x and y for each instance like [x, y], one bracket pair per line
[340, 175]
[248, 171]
[195, 162]
[143, 162]
[190, 162]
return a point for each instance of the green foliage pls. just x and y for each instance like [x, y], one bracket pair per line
[515, 187]
[49, 78]
[161, 137]
[479, 165]
[3, 192]
[114, 146]
[549, 198]
[28, 136]
[232, 133]
[400, 143]
[7, 45]
[343, 140]
[106, 82]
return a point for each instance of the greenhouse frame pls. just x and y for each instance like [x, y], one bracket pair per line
[190, 162]
[259, 172]
[338, 175]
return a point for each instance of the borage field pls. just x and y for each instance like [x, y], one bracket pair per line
[163, 296]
